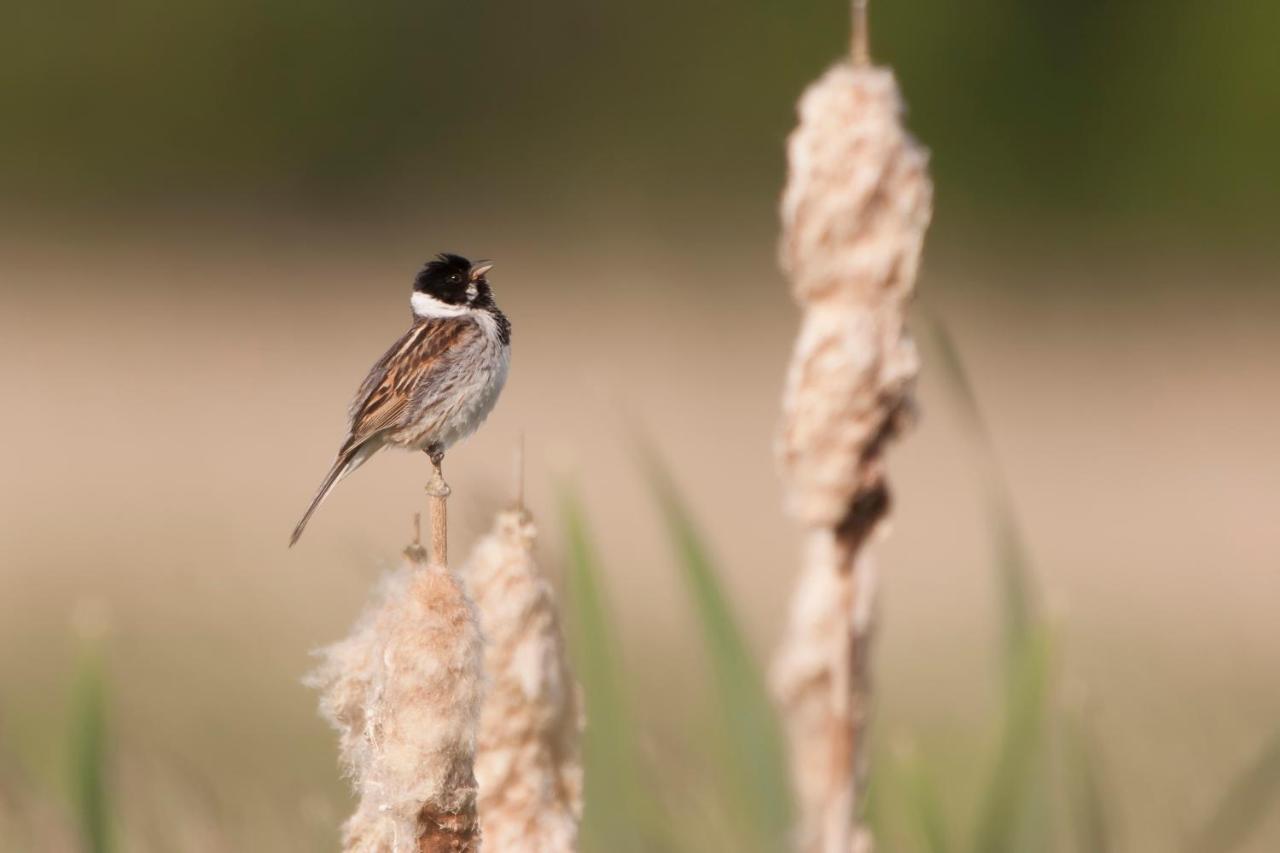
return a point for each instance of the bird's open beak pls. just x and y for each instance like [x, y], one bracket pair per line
[480, 269]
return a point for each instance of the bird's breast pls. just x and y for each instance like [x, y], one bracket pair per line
[455, 405]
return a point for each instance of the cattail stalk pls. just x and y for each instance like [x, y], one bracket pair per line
[438, 500]
[404, 691]
[854, 213]
[528, 762]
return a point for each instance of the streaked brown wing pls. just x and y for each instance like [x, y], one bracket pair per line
[386, 391]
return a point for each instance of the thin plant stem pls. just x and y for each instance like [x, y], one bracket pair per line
[438, 502]
[861, 34]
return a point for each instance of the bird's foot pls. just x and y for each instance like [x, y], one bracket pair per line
[437, 487]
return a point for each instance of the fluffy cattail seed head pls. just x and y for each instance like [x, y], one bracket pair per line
[528, 762]
[858, 196]
[854, 213]
[404, 692]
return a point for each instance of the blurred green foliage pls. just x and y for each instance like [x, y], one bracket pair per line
[748, 742]
[1044, 762]
[89, 742]
[1158, 110]
[622, 809]
[919, 789]
[630, 797]
[1091, 807]
[1245, 805]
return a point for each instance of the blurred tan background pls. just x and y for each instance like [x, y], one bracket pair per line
[211, 221]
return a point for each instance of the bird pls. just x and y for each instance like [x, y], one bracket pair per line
[438, 382]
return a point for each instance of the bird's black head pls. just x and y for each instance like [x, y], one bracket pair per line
[454, 281]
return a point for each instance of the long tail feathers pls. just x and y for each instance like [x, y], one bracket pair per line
[349, 459]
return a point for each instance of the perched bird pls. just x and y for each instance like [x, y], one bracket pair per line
[438, 382]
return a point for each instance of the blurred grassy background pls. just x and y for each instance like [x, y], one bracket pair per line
[211, 216]
[1156, 114]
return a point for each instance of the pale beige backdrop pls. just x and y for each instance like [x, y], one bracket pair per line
[170, 402]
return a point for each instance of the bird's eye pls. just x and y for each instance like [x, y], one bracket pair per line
[455, 279]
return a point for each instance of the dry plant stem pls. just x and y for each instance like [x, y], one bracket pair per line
[438, 492]
[528, 761]
[856, 206]
[860, 49]
[404, 691]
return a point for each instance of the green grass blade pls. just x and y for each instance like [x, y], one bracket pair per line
[930, 822]
[751, 743]
[622, 813]
[1018, 794]
[1249, 801]
[89, 743]
[1017, 589]
[1009, 796]
[1016, 596]
[1086, 791]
